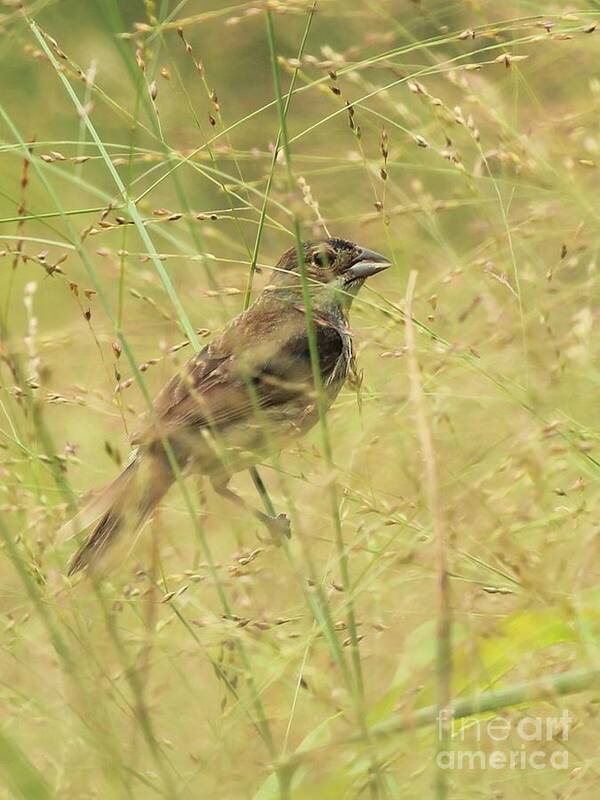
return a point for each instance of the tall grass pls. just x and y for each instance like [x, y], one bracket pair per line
[157, 157]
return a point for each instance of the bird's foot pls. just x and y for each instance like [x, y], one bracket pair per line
[279, 527]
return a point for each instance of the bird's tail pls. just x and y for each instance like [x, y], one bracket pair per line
[124, 505]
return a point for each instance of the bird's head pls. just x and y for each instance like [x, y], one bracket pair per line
[335, 269]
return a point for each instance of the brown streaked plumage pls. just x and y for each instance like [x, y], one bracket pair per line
[244, 396]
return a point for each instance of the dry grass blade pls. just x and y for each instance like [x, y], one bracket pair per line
[444, 653]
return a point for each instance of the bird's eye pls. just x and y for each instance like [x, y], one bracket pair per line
[323, 259]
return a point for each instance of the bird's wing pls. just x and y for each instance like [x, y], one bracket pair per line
[256, 363]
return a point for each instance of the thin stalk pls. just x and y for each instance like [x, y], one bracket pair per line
[256, 478]
[263, 211]
[358, 688]
[549, 688]
[312, 341]
[444, 655]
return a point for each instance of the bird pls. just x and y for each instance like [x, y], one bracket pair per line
[259, 384]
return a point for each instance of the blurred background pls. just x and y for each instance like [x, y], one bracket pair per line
[139, 176]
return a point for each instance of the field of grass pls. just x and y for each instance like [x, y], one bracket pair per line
[155, 157]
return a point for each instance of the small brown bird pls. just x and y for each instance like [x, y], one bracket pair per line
[244, 396]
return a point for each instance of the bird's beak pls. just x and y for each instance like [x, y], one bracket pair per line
[366, 263]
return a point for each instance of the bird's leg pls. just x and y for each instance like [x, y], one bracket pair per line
[278, 526]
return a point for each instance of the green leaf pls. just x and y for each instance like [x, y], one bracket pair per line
[23, 777]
